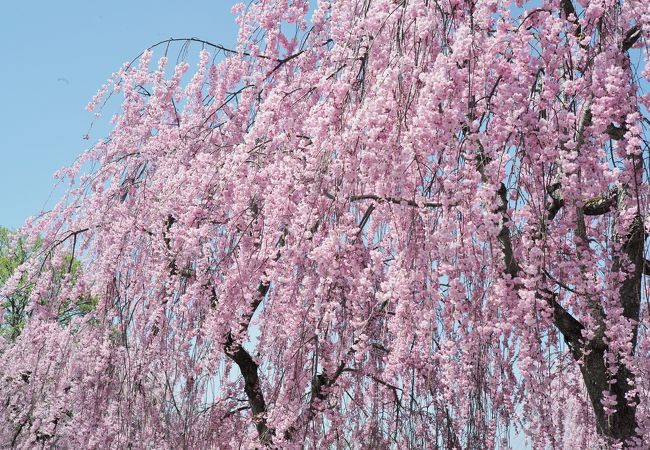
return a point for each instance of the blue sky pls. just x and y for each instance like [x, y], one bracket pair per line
[56, 54]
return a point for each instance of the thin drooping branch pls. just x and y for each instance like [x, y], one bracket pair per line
[321, 383]
[394, 200]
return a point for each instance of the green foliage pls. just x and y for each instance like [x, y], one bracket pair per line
[14, 252]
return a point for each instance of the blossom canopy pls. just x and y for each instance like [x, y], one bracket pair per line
[372, 224]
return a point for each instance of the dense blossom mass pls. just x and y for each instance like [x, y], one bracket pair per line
[371, 224]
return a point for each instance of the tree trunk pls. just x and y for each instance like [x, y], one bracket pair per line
[620, 425]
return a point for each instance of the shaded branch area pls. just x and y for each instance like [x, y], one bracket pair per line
[591, 353]
[248, 368]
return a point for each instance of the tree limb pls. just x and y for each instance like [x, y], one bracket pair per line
[248, 368]
[632, 35]
[568, 325]
[394, 200]
[555, 192]
[598, 206]
[616, 132]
